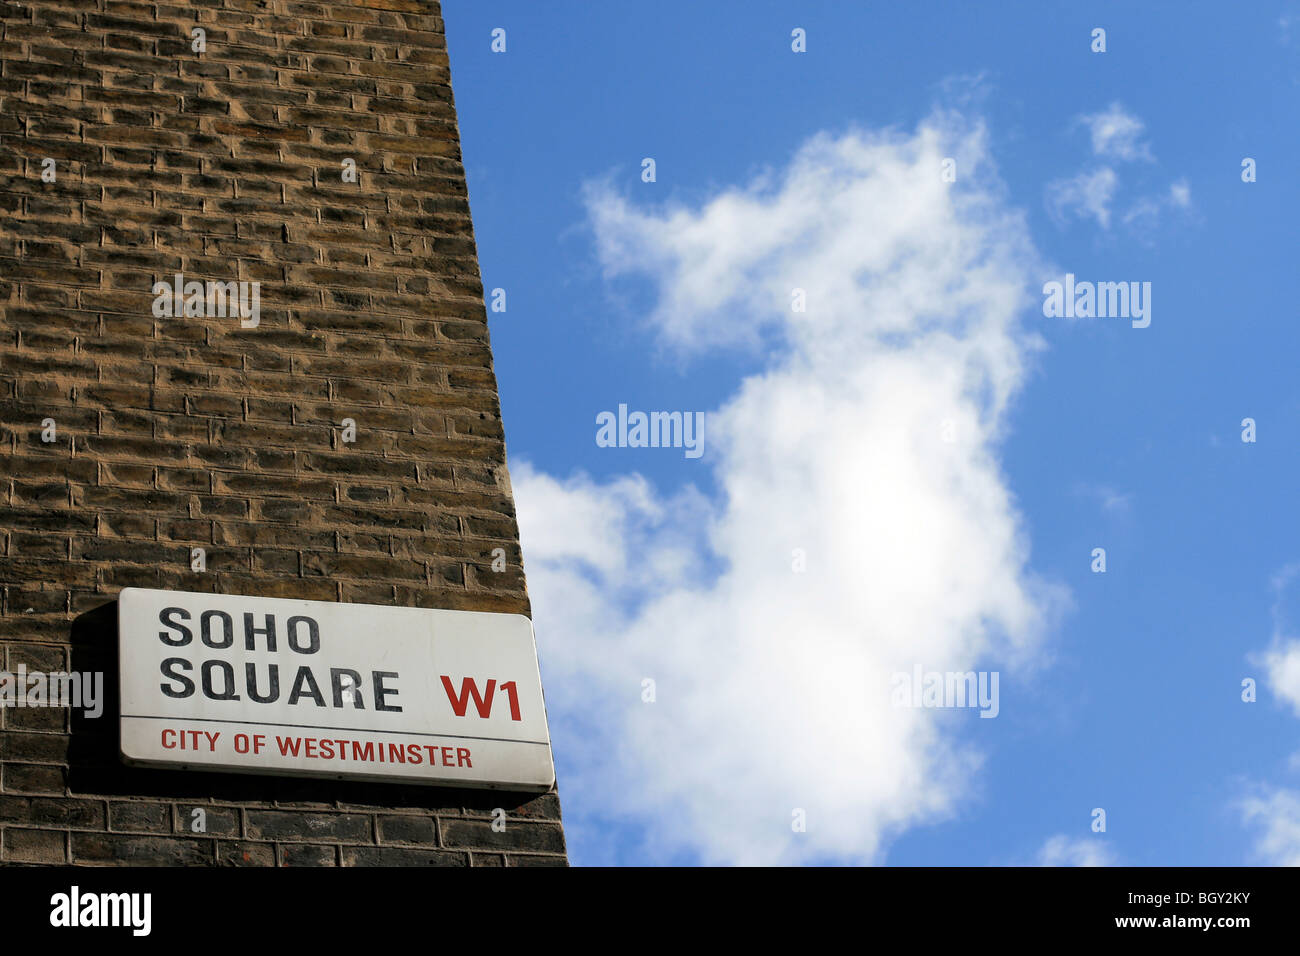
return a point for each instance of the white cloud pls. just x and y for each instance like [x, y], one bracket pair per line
[1277, 813]
[1060, 850]
[773, 686]
[1084, 195]
[1281, 661]
[1112, 500]
[1283, 664]
[1116, 134]
[1146, 212]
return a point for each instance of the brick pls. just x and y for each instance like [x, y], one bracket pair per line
[304, 854]
[188, 431]
[525, 837]
[136, 850]
[217, 821]
[61, 812]
[143, 817]
[23, 845]
[525, 859]
[401, 856]
[308, 827]
[34, 778]
[407, 829]
[245, 854]
[33, 747]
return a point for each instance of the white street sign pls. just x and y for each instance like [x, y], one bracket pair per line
[314, 688]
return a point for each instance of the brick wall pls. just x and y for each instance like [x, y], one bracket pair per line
[195, 432]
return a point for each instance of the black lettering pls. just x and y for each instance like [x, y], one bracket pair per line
[227, 629]
[249, 631]
[165, 616]
[353, 684]
[381, 691]
[228, 680]
[169, 668]
[305, 678]
[313, 635]
[250, 672]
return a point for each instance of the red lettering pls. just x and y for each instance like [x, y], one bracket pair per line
[462, 757]
[169, 746]
[468, 687]
[289, 745]
[513, 693]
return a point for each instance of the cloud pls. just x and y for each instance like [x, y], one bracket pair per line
[1281, 661]
[1116, 134]
[1283, 666]
[868, 443]
[1085, 195]
[1277, 813]
[1146, 212]
[1276, 810]
[1111, 500]
[1060, 850]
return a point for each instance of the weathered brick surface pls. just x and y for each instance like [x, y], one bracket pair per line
[181, 433]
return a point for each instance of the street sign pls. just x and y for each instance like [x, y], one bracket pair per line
[314, 688]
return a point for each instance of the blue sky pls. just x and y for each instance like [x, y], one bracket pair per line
[1124, 691]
